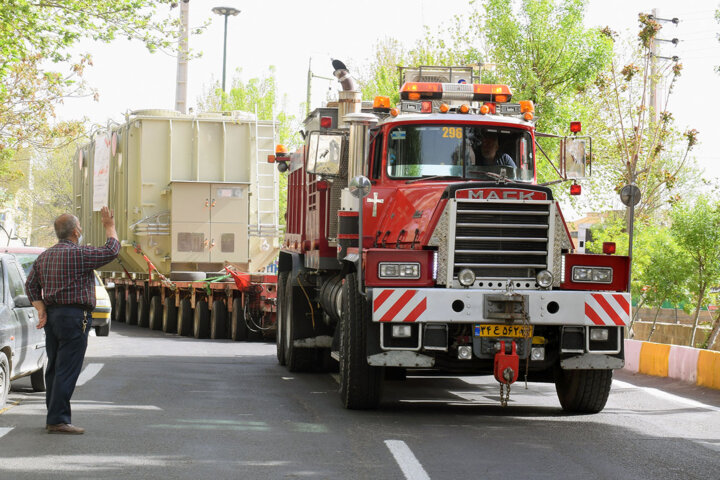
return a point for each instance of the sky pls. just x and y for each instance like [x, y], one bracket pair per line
[290, 34]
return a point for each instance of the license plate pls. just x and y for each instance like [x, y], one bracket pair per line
[489, 330]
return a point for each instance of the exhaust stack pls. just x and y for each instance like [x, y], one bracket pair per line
[349, 98]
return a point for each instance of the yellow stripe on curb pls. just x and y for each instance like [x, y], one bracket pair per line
[654, 359]
[9, 406]
[708, 369]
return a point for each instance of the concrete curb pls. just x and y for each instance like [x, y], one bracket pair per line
[693, 365]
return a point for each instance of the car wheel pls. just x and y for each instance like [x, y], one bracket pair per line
[156, 313]
[170, 316]
[218, 319]
[37, 379]
[102, 330]
[201, 325]
[4, 379]
[185, 318]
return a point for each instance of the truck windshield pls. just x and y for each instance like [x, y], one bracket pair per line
[416, 151]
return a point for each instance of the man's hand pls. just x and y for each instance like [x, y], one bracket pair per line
[108, 218]
[42, 313]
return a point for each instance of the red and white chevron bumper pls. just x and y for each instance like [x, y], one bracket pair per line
[399, 305]
[607, 309]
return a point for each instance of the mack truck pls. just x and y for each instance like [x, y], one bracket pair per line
[419, 238]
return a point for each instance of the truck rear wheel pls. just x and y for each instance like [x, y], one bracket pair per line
[238, 329]
[360, 383]
[156, 313]
[280, 331]
[170, 316]
[119, 310]
[218, 319]
[143, 316]
[583, 391]
[296, 359]
[201, 325]
[131, 309]
[185, 318]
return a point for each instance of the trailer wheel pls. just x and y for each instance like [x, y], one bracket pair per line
[296, 359]
[218, 320]
[185, 318]
[143, 316]
[583, 391]
[280, 331]
[119, 310]
[156, 312]
[360, 383]
[201, 325]
[131, 308]
[238, 329]
[170, 316]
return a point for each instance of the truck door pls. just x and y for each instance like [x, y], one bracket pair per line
[229, 223]
[191, 204]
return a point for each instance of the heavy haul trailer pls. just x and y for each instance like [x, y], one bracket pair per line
[418, 238]
[196, 211]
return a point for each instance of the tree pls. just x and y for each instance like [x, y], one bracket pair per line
[38, 68]
[696, 229]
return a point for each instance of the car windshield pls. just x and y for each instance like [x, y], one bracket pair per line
[26, 260]
[416, 151]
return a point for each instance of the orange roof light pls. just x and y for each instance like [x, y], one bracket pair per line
[484, 110]
[394, 112]
[281, 150]
[492, 92]
[444, 108]
[418, 90]
[464, 108]
[526, 106]
[381, 103]
[528, 116]
[413, 96]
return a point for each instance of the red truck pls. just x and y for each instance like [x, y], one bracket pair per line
[418, 237]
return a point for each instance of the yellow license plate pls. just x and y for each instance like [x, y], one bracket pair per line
[489, 330]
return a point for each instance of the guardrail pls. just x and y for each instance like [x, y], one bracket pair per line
[693, 365]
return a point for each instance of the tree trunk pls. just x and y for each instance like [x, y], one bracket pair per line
[631, 332]
[715, 332]
[652, 329]
[701, 296]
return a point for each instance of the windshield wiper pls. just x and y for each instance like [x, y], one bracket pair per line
[433, 177]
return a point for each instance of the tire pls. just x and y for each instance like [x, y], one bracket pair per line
[201, 323]
[279, 333]
[238, 329]
[4, 379]
[360, 383]
[185, 318]
[102, 330]
[296, 359]
[583, 391]
[218, 320]
[119, 309]
[156, 313]
[143, 317]
[188, 276]
[170, 316]
[131, 308]
[113, 303]
[37, 379]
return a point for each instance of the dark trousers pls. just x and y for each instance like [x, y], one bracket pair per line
[65, 342]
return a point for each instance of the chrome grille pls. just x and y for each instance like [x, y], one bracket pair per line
[501, 239]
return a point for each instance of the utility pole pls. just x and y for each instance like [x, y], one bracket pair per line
[653, 61]
[182, 59]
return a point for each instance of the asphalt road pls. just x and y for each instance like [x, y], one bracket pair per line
[162, 406]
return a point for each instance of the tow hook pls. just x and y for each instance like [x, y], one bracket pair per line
[506, 370]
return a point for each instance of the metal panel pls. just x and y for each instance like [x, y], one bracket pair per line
[229, 203]
[229, 242]
[191, 202]
[191, 242]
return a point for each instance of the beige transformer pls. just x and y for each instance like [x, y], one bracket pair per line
[192, 193]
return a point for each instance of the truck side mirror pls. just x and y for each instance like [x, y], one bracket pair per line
[575, 157]
[324, 153]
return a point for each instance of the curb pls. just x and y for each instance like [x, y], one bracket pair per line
[693, 365]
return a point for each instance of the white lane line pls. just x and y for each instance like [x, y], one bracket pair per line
[4, 431]
[668, 396]
[407, 461]
[89, 372]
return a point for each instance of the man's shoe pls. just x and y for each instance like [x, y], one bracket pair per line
[65, 428]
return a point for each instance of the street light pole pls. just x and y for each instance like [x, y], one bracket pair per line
[225, 11]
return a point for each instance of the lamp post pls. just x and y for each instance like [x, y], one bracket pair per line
[225, 11]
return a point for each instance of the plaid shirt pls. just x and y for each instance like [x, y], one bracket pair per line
[63, 274]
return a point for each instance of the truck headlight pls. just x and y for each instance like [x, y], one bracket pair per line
[592, 274]
[544, 278]
[409, 270]
[466, 277]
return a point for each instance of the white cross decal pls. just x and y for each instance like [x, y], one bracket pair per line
[375, 200]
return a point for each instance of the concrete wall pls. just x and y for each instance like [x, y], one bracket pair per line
[673, 327]
[700, 367]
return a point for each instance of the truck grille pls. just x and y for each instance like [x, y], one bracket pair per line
[507, 240]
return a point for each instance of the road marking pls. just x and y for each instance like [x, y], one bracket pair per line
[668, 396]
[407, 461]
[9, 406]
[5, 431]
[89, 373]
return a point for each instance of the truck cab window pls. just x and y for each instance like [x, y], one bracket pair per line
[376, 157]
[416, 151]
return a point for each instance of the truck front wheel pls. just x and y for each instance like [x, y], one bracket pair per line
[279, 333]
[583, 391]
[360, 383]
[296, 359]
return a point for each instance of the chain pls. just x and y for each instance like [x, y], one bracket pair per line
[504, 394]
[526, 336]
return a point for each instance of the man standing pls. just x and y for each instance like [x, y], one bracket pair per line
[61, 286]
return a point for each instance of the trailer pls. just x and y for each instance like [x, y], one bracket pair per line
[196, 213]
